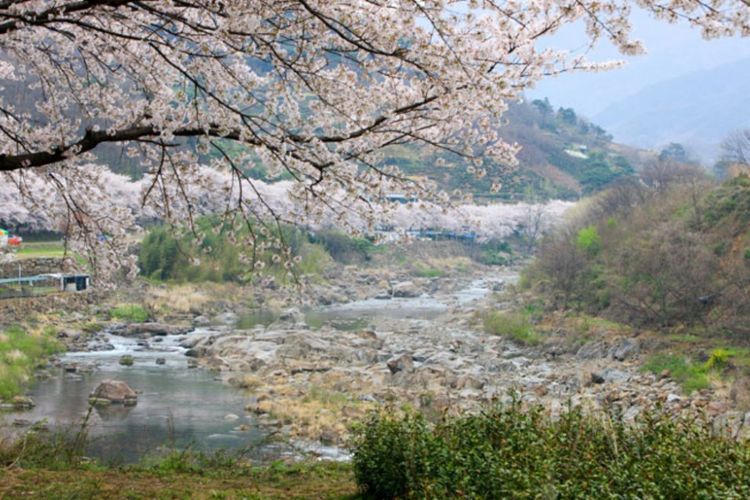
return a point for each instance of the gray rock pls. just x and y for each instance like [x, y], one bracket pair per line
[593, 350]
[625, 349]
[192, 363]
[673, 398]
[201, 321]
[161, 361]
[400, 363]
[613, 375]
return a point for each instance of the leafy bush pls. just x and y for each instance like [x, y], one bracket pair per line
[20, 354]
[132, 313]
[513, 325]
[508, 452]
[589, 240]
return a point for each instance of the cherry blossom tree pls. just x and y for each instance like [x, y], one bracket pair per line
[314, 90]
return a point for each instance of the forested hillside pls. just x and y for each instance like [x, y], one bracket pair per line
[563, 155]
[671, 248]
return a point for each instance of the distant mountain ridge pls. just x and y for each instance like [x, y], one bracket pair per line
[698, 110]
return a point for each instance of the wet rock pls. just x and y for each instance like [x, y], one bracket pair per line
[161, 361]
[150, 329]
[21, 422]
[625, 349]
[70, 367]
[115, 391]
[127, 360]
[596, 378]
[195, 352]
[192, 363]
[400, 363]
[406, 289]
[100, 346]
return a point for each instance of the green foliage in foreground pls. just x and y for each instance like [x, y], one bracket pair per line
[516, 326]
[132, 313]
[507, 452]
[20, 354]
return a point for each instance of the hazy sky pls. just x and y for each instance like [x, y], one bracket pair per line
[672, 50]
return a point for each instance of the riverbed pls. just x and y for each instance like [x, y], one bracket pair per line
[180, 407]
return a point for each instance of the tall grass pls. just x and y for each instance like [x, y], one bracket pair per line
[20, 354]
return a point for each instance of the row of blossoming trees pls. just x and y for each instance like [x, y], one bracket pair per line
[312, 89]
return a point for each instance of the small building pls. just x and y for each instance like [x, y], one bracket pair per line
[70, 282]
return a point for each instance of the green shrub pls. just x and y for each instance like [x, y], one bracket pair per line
[718, 359]
[588, 239]
[508, 452]
[342, 247]
[512, 325]
[132, 313]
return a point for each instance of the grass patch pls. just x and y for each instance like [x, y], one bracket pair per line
[510, 452]
[20, 354]
[54, 466]
[41, 249]
[515, 326]
[132, 313]
[690, 375]
[429, 272]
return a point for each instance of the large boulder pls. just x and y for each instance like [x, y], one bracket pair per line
[114, 391]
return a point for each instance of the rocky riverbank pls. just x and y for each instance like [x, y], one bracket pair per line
[421, 346]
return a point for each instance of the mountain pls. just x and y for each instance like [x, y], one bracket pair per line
[698, 110]
[563, 155]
